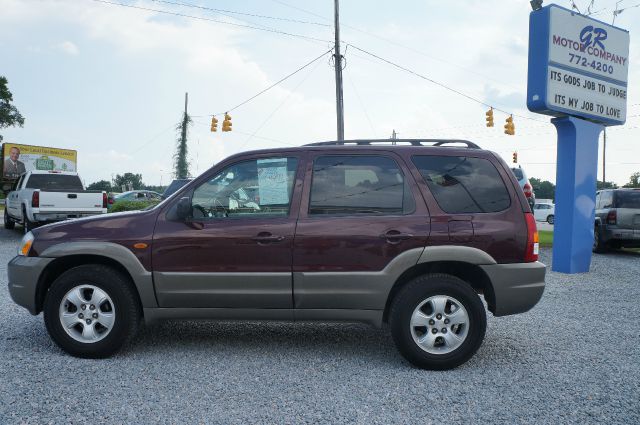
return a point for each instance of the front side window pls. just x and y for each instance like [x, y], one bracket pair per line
[463, 185]
[258, 187]
[352, 185]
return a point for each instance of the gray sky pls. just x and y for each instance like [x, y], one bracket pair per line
[109, 81]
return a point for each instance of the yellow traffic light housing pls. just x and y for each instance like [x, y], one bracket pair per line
[489, 118]
[515, 157]
[509, 127]
[214, 124]
[226, 124]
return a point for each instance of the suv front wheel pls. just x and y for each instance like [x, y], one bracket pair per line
[91, 311]
[437, 321]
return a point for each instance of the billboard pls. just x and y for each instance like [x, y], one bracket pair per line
[18, 159]
[578, 66]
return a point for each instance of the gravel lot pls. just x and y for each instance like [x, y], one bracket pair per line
[575, 358]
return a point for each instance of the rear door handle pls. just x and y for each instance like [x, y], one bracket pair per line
[394, 236]
[267, 238]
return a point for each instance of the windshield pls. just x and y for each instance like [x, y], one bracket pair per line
[54, 182]
[628, 199]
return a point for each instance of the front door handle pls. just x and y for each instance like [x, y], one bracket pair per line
[263, 238]
[394, 236]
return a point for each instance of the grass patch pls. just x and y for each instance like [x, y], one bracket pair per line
[546, 238]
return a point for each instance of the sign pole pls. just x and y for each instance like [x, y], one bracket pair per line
[578, 73]
[576, 178]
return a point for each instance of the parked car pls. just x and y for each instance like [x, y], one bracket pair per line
[48, 196]
[617, 222]
[544, 212]
[174, 186]
[525, 184]
[410, 234]
[138, 195]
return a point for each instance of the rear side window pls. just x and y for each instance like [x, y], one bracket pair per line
[628, 199]
[54, 182]
[463, 184]
[348, 185]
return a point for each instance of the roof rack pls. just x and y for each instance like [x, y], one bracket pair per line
[411, 142]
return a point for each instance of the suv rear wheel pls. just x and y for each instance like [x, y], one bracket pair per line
[91, 311]
[437, 321]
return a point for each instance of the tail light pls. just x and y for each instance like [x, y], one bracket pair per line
[527, 190]
[533, 242]
[104, 200]
[35, 199]
[612, 217]
[110, 201]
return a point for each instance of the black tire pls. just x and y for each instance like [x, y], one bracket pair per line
[8, 222]
[598, 245]
[550, 219]
[420, 289]
[26, 223]
[127, 310]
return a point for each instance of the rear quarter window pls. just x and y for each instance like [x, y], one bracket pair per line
[463, 184]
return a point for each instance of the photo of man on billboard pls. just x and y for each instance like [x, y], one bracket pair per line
[13, 168]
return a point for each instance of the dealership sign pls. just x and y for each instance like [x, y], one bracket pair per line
[578, 66]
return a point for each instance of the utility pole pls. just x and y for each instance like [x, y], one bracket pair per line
[394, 136]
[604, 159]
[338, 65]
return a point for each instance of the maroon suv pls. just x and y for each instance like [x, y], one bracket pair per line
[408, 234]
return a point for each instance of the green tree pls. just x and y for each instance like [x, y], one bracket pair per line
[9, 114]
[606, 185]
[128, 179]
[181, 166]
[100, 185]
[634, 181]
[543, 189]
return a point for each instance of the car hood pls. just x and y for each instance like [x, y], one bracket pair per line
[121, 228]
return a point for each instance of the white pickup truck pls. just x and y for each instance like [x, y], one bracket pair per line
[46, 196]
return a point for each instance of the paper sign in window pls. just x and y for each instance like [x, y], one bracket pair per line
[273, 187]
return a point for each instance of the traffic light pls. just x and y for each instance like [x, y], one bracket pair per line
[214, 124]
[509, 127]
[515, 157]
[226, 124]
[489, 115]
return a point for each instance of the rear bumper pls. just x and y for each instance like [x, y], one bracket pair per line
[516, 287]
[24, 273]
[59, 216]
[622, 235]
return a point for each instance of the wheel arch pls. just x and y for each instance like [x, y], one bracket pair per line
[60, 265]
[469, 272]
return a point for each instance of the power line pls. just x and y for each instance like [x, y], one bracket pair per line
[395, 43]
[444, 86]
[212, 9]
[270, 87]
[201, 18]
[277, 108]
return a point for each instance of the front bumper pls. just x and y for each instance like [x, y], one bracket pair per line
[24, 273]
[516, 287]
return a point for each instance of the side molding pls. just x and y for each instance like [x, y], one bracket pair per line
[141, 277]
[350, 290]
[463, 254]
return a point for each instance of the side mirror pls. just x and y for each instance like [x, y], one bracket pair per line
[183, 210]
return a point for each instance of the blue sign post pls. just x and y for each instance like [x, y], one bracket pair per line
[578, 69]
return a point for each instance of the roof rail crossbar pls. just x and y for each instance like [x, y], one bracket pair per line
[412, 142]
